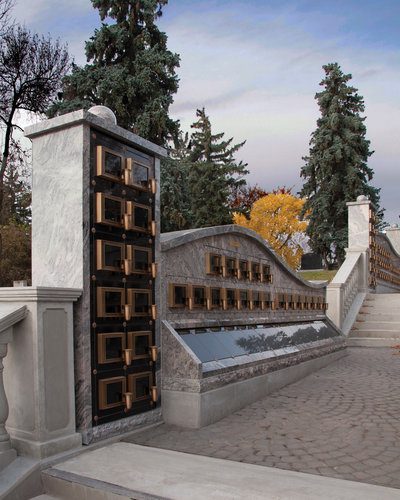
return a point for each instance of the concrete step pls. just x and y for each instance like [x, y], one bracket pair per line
[377, 325]
[372, 296]
[371, 342]
[376, 315]
[45, 497]
[386, 300]
[123, 471]
[384, 334]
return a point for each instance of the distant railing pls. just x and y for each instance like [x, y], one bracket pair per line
[372, 264]
[347, 290]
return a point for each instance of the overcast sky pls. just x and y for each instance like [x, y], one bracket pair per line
[256, 64]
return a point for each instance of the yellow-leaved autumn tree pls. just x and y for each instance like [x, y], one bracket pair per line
[276, 218]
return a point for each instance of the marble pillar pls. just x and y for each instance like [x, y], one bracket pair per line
[393, 235]
[359, 214]
[61, 223]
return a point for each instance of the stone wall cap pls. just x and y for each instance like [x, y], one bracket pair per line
[81, 117]
[177, 238]
[10, 315]
[363, 201]
[39, 294]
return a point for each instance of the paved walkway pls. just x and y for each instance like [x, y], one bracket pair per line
[342, 421]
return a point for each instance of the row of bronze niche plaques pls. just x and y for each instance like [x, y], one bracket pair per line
[126, 390]
[118, 302]
[232, 267]
[192, 297]
[128, 215]
[115, 167]
[120, 257]
[124, 374]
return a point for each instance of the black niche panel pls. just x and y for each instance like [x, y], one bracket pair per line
[122, 279]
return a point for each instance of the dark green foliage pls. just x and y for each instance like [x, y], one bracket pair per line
[336, 169]
[198, 178]
[131, 71]
[176, 211]
[214, 173]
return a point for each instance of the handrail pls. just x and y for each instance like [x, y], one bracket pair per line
[347, 290]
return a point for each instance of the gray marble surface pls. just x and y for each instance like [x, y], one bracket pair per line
[57, 209]
[81, 116]
[183, 261]
[182, 370]
[235, 234]
[61, 225]
[358, 216]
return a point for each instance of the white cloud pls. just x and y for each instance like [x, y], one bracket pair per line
[256, 70]
[258, 83]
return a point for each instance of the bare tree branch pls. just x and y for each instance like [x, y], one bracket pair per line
[31, 70]
[5, 7]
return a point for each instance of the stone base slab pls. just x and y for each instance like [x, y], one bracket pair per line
[6, 457]
[118, 427]
[195, 410]
[371, 342]
[43, 449]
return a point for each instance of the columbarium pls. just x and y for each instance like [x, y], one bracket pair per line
[95, 212]
[237, 323]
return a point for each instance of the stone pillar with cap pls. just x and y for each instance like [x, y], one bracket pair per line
[359, 215]
[64, 158]
[393, 234]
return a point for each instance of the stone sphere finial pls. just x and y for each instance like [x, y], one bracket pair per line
[104, 113]
[362, 197]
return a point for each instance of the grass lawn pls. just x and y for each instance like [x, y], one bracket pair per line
[318, 275]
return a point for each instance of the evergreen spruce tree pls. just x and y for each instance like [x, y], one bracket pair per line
[214, 173]
[336, 169]
[131, 71]
[175, 189]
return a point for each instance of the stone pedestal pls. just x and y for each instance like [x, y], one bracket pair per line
[39, 372]
[393, 235]
[71, 185]
[359, 215]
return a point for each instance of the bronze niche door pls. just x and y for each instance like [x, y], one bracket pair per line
[122, 275]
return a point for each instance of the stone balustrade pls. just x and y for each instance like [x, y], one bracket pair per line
[347, 290]
[38, 372]
[372, 260]
[10, 315]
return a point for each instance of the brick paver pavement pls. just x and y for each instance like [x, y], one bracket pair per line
[342, 421]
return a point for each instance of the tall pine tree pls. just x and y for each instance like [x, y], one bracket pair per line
[175, 193]
[214, 173]
[131, 71]
[336, 169]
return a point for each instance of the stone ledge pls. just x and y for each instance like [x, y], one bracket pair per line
[39, 294]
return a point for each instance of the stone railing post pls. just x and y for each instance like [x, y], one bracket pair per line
[7, 454]
[334, 298]
[347, 290]
[358, 217]
[8, 317]
[393, 235]
[39, 371]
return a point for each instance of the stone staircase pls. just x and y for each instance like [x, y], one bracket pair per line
[378, 322]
